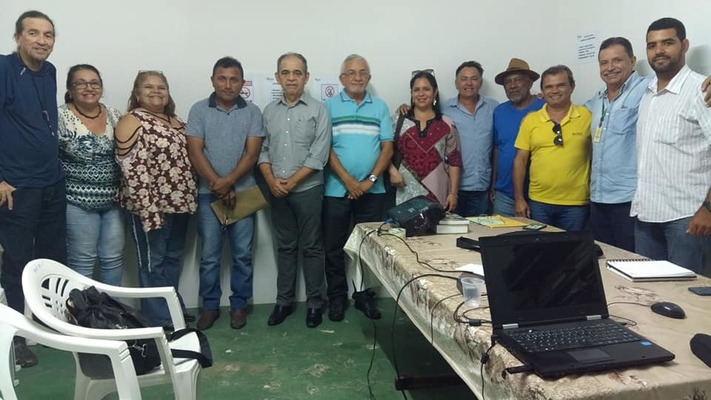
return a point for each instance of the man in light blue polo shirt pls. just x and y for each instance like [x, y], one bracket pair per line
[224, 140]
[362, 146]
[473, 115]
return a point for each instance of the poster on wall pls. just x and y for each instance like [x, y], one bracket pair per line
[263, 88]
[247, 92]
[586, 47]
[323, 87]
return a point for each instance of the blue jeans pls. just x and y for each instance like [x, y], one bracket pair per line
[96, 234]
[669, 241]
[296, 219]
[569, 218]
[471, 203]
[159, 262]
[504, 205]
[612, 224]
[212, 234]
[35, 228]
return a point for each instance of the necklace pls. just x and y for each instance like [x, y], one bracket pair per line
[88, 116]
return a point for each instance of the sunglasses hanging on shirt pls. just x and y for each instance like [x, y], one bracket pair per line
[558, 139]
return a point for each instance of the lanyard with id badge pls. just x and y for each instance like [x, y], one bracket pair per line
[597, 136]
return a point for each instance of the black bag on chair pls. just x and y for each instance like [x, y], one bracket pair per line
[93, 309]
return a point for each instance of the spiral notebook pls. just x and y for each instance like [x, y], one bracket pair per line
[646, 270]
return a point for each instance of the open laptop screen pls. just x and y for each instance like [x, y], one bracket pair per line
[542, 277]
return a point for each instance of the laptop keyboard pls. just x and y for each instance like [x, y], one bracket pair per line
[592, 333]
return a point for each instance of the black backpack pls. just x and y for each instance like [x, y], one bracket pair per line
[93, 309]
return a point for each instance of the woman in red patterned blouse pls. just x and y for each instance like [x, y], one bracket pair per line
[158, 186]
[429, 148]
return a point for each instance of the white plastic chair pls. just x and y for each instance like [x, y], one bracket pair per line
[47, 284]
[13, 324]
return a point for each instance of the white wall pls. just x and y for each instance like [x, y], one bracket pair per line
[183, 38]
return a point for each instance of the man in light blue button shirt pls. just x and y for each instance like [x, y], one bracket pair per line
[473, 115]
[613, 177]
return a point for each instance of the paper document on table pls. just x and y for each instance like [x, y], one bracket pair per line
[496, 221]
[476, 269]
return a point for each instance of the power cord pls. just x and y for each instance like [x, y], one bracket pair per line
[359, 264]
[628, 321]
[372, 359]
[627, 302]
[397, 302]
[417, 256]
[432, 315]
[381, 232]
[470, 321]
[485, 359]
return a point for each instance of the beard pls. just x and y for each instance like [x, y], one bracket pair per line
[518, 97]
[671, 64]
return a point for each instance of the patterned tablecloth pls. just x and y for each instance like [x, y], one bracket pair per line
[430, 302]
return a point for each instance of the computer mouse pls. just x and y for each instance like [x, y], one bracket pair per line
[669, 309]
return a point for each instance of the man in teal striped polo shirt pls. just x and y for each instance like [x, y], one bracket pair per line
[361, 149]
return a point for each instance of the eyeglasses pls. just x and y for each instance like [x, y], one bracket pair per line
[350, 74]
[427, 71]
[85, 84]
[558, 139]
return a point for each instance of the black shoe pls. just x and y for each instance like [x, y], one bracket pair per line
[365, 302]
[337, 308]
[188, 317]
[24, 357]
[279, 315]
[314, 317]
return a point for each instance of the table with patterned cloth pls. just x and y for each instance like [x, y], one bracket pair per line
[430, 302]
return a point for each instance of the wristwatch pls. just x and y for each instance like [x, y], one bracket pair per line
[374, 179]
[707, 205]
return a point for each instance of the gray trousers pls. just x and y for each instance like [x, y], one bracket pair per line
[297, 224]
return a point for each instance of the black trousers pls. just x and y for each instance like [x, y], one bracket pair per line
[339, 216]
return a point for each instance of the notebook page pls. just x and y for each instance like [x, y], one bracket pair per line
[640, 269]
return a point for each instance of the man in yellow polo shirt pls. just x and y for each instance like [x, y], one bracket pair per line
[556, 140]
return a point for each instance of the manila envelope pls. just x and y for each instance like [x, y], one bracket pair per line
[247, 203]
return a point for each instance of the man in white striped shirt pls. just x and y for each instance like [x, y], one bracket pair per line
[673, 198]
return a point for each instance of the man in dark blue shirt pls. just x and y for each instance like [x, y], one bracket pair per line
[32, 192]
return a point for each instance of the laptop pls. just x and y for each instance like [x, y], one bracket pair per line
[548, 306]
